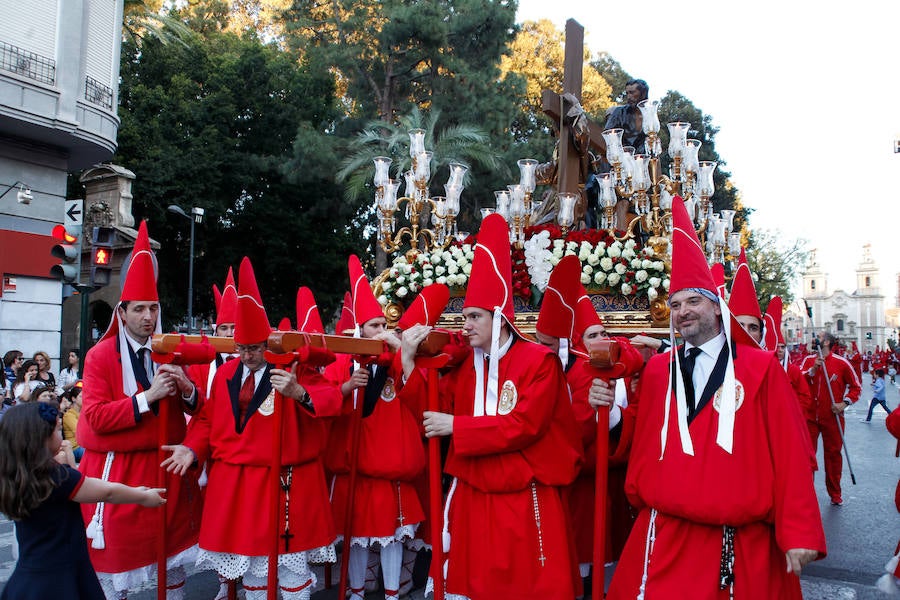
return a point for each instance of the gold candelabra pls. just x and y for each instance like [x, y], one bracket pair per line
[443, 209]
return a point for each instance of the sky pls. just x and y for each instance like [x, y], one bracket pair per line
[806, 96]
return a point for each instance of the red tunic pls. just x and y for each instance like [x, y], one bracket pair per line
[844, 384]
[508, 526]
[238, 522]
[762, 488]
[391, 458]
[580, 495]
[108, 424]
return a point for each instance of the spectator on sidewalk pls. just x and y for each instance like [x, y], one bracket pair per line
[12, 361]
[877, 395]
[69, 376]
[25, 382]
[43, 362]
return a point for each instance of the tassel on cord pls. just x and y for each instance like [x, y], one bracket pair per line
[94, 531]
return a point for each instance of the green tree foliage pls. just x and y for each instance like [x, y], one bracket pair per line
[237, 128]
[776, 262]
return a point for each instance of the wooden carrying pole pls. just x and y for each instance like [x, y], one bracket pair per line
[355, 426]
[601, 479]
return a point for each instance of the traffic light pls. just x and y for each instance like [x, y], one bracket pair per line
[102, 239]
[69, 250]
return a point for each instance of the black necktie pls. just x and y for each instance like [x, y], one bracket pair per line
[141, 373]
[690, 359]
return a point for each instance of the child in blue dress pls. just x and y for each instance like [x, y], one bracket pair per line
[42, 496]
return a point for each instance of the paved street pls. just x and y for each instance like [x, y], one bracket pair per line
[861, 534]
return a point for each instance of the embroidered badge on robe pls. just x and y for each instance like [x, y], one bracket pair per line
[508, 398]
[268, 405]
[738, 395]
[388, 392]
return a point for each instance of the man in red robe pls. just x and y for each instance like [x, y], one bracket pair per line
[234, 432]
[829, 407]
[120, 429]
[386, 507]
[718, 468]
[566, 315]
[513, 445]
[226, 307]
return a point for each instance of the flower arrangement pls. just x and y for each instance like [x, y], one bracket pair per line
[412, 271]
[608, 266]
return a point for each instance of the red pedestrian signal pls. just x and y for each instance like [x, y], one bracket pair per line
[101, 257]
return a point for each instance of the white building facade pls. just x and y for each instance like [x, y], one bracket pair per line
[857, 316]
[59, 70]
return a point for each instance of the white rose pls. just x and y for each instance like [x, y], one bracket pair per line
[427, 282]
[620, 269]
[628, 253]
[641, 276]
[402, 291]
[587, 269]
[467, 268]
[593, 260]
[401, 280]
[461, 279]
[470, 255]
[600, 251]
[422, 258]
[601, 246]
[386, 286]
[659, 265]
[406, 269]
[666, 284]
[439, 270]
[646, 264]
[395, 272]
[573, 246]
[654, 282]
[558, 244]
[613, 279]
[630, 244]
[636, 264]
[652, 294]
[583, 253]
[436, 258]
[427, 273]
[626, 289]
[441, 279]
[616, 244]
[453, 269]
[554, 260]
[467, 248]
[446, 255]
[606, 263]
[415, 276]
[613, 251]
[649, 251]
[382, 300]
[570, 253]
[558, 253]
[599, 277]
[585, 279]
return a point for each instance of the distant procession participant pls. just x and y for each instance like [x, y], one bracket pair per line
[845, 390]
[386, 507]
[119, 431]
[226, 307]
[234, 432]
[718, 468]
[514, 445]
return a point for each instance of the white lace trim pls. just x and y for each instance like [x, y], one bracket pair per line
[401, 534]
[429, 589]
[129, 580]
[232, 566]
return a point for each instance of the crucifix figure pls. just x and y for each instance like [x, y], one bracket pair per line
[578, 135]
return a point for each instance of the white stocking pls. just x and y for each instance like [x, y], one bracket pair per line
[391, 561]
[175, 583]
[406, 572]
[254, 586]
[294, 586]
[356, 571]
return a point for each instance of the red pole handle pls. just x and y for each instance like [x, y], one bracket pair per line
[355, 424]
[161, 540]
[601, 478]
[435, 493]
[275, 483]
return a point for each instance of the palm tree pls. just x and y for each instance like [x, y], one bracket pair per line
[145, 19]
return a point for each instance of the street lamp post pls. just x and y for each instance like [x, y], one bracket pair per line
[195, 217]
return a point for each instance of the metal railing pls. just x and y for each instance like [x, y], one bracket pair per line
[97, 93]
[27, 64]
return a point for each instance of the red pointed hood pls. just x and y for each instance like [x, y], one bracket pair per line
[742, 301]
[226, 308]
[490, 283]
[773, 335]
[308, 318]
[689, 268]
[718, 273]
[557, 316]
[251, 324]
[427, 307]
[365, 305]
[140, 280]
[346, 322]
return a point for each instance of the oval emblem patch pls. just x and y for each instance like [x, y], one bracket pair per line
[388, 392]
[738, 396]
[508, 398]
[268, 405]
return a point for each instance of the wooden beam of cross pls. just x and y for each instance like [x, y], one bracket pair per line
[570, 175]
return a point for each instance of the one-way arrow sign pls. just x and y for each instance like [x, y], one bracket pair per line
[74, 212]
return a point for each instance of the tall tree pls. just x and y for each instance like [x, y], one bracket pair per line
[776, 262]
[238, 128]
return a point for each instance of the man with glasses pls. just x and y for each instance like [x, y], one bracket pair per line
[234, 432]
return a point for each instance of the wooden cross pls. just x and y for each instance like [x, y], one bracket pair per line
[569, 177]
[286, 536]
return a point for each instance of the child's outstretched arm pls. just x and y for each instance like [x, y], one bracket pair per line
[97, 490]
